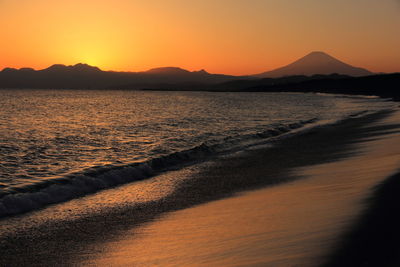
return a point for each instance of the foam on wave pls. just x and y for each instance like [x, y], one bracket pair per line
[31, 197]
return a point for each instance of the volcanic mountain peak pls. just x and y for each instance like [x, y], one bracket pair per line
[318, 56]
[316, 62]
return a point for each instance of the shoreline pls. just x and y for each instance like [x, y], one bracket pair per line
[19, 200]
[267, 167]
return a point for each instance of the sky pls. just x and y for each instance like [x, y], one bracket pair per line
[222, 36]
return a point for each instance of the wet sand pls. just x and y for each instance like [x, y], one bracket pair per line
[298, 223]
[314, 188]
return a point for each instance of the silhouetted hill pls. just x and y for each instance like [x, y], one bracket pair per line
[384, 85]
[240, 85]
[75, 68]
[315, 63]
[83, 76]
[168, 71]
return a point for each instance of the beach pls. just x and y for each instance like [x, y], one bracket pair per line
[288, 204]
[199, 133]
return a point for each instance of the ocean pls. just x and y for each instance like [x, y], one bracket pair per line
[56, 145]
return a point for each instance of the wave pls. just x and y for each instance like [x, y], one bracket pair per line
[27, 198]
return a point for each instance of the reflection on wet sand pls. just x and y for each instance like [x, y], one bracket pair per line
[293, 224]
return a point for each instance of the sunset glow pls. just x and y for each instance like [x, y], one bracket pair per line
[234, 37]
[199, 132]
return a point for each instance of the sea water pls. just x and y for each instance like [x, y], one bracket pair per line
[56, 145]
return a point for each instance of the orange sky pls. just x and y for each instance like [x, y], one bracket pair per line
[221, 36]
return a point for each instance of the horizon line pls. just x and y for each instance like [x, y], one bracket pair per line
[83, 63]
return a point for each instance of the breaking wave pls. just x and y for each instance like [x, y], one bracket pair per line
[21, 199]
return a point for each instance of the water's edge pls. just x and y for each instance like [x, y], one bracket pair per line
[21, 199]
[58, 242]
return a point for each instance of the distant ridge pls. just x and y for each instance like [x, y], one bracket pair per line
[315, 63]
[168, 70]
[77, 67]
[84, 76]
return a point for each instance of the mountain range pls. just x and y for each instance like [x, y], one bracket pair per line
[83, 76]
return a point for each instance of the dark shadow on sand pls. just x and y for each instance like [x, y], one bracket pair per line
[374, 238]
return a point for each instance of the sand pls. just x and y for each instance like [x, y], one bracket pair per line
[297, 223]
[289, 205]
